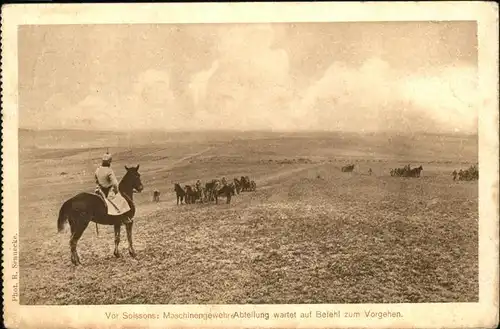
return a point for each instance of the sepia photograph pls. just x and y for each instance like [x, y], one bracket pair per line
[251, 163]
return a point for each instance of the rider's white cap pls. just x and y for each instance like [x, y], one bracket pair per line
[107, 157]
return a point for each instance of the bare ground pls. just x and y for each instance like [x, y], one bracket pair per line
[309, 234]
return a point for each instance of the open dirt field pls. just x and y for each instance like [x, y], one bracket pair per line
[309, 233]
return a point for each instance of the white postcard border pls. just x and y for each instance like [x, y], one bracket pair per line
[450, 315]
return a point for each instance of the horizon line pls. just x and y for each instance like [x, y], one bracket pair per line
[235, 130]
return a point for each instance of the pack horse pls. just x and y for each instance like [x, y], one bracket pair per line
[114, 210]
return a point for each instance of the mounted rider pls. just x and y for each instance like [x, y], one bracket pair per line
[199, 190]
[106, 179]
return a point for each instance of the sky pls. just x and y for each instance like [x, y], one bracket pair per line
[359, 76]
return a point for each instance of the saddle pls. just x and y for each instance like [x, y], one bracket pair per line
[115, 203]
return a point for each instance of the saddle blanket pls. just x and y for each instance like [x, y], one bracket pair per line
[115, 203]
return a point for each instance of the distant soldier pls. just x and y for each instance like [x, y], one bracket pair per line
[156, 196]
[454, 174]
[199, 190]
[223, 181]
[370, 171]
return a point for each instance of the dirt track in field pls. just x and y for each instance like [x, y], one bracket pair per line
[309, 234]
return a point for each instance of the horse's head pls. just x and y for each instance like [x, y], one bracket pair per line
[134, 178]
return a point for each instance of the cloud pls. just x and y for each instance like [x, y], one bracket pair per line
[153, 88]
[149, 103]
[248, 84]
[449, 96]
[251, 76]
[92, 112]
[58, 112]
[152, 104]
[199, 82]
[375, 96]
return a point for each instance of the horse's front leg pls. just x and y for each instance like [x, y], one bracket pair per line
[131, 250]
[118, 228]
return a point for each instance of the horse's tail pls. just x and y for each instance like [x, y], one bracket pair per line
[63, 217]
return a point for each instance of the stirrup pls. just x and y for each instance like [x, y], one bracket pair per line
[127, 220]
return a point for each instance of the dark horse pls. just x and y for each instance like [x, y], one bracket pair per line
[179, 191]
[227, 191]
[415, 172]
[210, 190]
[237, 185]
[245, 183]
[83, 208]
[191, 194]
[348, 168]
